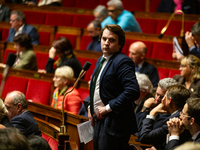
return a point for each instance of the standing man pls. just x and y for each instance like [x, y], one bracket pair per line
[18, 114]
[94, 30]
[189, 119]
[123, 18]
[18, 26]
[137, 53]
[113, 88]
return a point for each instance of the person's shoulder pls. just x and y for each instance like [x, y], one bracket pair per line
[149, 65]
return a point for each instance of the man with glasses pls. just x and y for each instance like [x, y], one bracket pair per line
[189, 119]
[18, 26]
[123, 18]
[18, 114]
[172, 103]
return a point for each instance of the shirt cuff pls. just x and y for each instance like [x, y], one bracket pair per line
[191, 48]
[108, 109]
[150, 117]
[174, 137]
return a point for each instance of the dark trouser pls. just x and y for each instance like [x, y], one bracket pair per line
[104, 141]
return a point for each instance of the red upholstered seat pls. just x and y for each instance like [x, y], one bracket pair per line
[35, 17]
[88, 4]
[134, 5]
[173, 72]
[68, 3]
[44, 38]
[42, 59]
[81, 21]
[58, 19]
[162, 51]
[188, 25]
[70, 37]
[154, 5]
[85, 40]
[83, 93]
[163, 73]
[6, 53]
[148, 25]
[91, 69]
[13, 84]
[52, 143]
[38, 91]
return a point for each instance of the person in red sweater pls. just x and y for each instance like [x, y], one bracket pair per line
[63, 81]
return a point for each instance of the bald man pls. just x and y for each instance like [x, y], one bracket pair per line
[137, 52]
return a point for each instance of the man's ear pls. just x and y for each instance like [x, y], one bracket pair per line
[19, 107]
[192, 120]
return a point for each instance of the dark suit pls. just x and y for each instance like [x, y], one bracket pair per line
[195, 52]
[95, 45]
[26, 124]
[5, 121]
[157, 136]
[28, 29]
[174, 143]
[188, 6]
[118, 88]
[151, 71]
[4, 13]
[194, 88]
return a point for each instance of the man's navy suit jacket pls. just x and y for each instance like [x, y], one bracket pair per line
[26, 124]
[118, 88]
[30, 30]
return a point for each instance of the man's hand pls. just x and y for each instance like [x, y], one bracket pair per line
[52, 53]
[175, 126]
[101, 111]
[159, 109]
[150, 103]
[90, 117]
[189, 39]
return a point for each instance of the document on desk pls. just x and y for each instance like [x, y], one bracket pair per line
[85, 131]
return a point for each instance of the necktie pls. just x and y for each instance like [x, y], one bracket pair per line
[136, 68]
[94, 84]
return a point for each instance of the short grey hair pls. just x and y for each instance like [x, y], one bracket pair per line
[165, 83]
[3, 110]
[19, 15]
[117, 3]
[101, 9]
[144, 82]
[20, 98]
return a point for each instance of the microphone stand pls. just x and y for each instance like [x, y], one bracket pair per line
[166, 26]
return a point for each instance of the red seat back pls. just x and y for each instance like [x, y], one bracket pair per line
[163, 73]
[83, 93]
[52, 143]
[35, 17]
[42, 59]
[81, 21]
[44, 38]
[85, 40]
[148, 25]
[173, 72]
[6, 53]
[134, 5]
[88, 4]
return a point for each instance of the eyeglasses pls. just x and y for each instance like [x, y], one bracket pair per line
[160, 96]
[12, 20]
[181, 114]
[183, 66]
[112, 11]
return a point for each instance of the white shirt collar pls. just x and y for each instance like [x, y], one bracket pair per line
[20, 30]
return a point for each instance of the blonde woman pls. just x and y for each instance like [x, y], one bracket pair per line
[4, 121]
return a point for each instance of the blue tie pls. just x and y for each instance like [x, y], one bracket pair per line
[136, 68]
[93, 86]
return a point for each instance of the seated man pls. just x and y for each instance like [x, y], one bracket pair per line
[63, 81]
[121, 17]
[18, 114]
[5, 12]
[100, 13]
[172, 103]
[18, 25]
[146, 89]
[137, 52]
[189, 119]
[94, 30]
[150, 103]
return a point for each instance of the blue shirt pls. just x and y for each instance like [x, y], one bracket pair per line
[125, 20]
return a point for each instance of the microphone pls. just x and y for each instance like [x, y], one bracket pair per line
[9, 63]
[86, 66]
[166, 26]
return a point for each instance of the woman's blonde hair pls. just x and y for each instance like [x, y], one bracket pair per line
[193, 62]
[3, 110]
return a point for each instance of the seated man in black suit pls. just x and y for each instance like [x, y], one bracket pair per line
[18, 114]
[189, 119]
[172, 103]
[137, 52]
[4, 12]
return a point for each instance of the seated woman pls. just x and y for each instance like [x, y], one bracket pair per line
[26, 58]
[62, 48]
[63, 81]
[190, 75]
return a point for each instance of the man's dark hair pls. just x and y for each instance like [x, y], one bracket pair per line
[196, 29]
[96, 23]
[118, 31]
[194, 109]
[38, 143]
[179, 94]
[24, 40]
